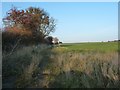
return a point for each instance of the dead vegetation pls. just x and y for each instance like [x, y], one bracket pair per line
[54, 68]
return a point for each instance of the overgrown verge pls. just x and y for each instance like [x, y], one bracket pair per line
[53, 68]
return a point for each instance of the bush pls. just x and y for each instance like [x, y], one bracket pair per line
[14, 36]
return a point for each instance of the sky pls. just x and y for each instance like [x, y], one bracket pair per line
[77, 21]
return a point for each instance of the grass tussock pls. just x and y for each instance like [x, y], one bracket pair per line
[42, 66]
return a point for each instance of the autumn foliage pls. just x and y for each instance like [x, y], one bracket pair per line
[29, 26]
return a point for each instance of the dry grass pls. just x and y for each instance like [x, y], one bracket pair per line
[44, 67]
[96, 67]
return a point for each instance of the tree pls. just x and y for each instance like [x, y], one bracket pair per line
[26, 27]
[49, 40]
[35, 20]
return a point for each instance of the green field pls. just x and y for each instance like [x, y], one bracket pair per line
[78, 65]
[112, 46]
[90, 47]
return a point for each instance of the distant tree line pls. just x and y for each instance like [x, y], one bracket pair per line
[27, 27]
[114, 41]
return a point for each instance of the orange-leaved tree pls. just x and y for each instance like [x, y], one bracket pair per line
[33, 21]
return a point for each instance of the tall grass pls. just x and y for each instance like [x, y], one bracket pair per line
[86, 70]
[58, 67]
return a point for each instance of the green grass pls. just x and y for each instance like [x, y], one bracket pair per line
[95, 46]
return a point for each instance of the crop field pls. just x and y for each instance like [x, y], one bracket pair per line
[95, 46]
[78, 65]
